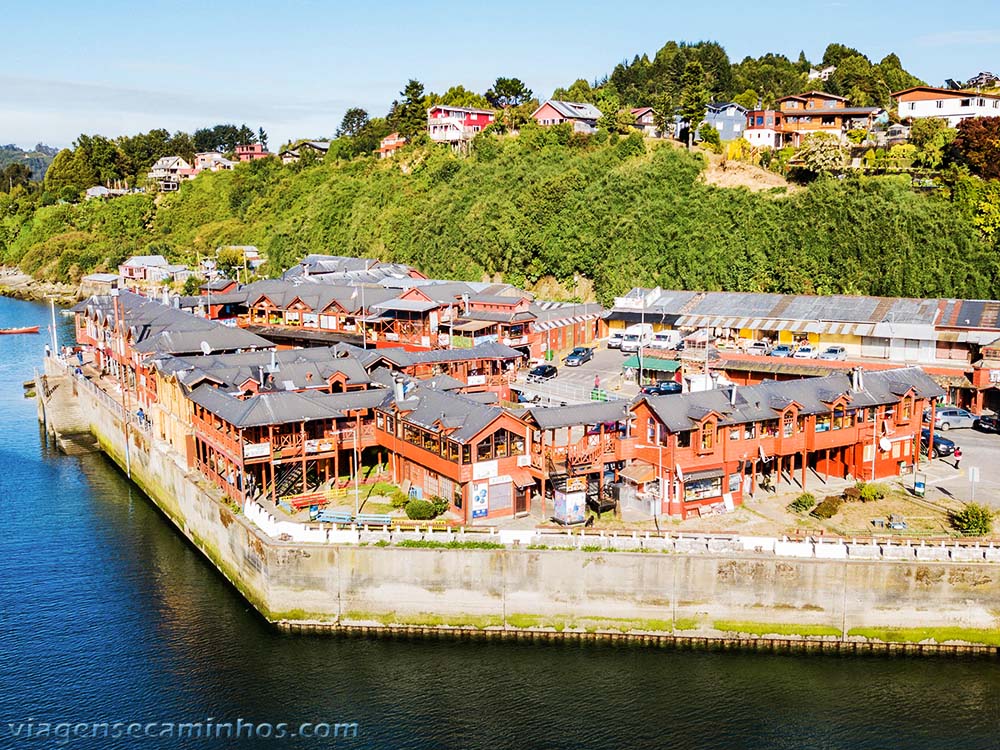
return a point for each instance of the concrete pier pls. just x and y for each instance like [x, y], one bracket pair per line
[713, 598]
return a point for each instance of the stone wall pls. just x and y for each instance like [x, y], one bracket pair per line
[705, 594]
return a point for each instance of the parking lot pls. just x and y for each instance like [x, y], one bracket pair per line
[574, 384]
[979, 450]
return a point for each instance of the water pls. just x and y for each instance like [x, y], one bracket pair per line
[106, 614]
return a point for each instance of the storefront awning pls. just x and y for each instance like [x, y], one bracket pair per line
[707, 474]
[639, 472]
[653, 364]
[522, 478]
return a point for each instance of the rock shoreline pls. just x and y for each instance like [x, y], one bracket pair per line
[19, 285]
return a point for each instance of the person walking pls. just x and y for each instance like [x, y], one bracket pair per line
[597, 382]
[958, 456]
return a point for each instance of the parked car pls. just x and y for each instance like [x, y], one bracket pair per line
[615, 340]
[987, 423]
[833, 353]
[942, 445]
[578, 356]
[806, 352]
[542, 373]
[663, 388]
[951, 418]
[758, 347]
[781, 350]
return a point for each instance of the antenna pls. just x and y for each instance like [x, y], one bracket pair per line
[206, 348]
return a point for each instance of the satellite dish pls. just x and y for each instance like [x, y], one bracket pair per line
[885, 444]
[206, 349]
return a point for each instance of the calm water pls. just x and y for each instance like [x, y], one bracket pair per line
[107, 615]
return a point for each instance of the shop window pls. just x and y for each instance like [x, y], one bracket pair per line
[484, 450]
[769, 428]
[823, 423]
[734, 482]
[750, 431]
[452, 451]
[517, 445]
[699, 489]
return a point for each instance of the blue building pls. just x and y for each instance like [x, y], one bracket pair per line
[728, 118]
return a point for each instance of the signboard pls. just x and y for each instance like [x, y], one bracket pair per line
[485, 469]
[570, 507]
[480, 500]
[502, 479]
[318, 446]
[477, 380]
[973, 473]
[256, 450]
[490, 338]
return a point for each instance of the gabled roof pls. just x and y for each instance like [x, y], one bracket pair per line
[146, 261]
[598, 412]
[572, 110]
[460, 416]
[947, 93]
[283, 407]
[813, 95]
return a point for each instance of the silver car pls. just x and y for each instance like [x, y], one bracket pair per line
[833, 353]
[948, 418]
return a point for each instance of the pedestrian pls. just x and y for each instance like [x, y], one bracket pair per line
[597, 382]
[958, 456]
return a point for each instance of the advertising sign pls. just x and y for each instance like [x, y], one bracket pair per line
[256, 450]
[480, 500]
[570, 507]
[485, 469]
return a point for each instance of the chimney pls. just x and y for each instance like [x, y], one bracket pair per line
[857, 380]
[274, 365]
[397, 388]
[732, 396]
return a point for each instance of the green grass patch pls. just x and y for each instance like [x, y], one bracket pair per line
[454, 544]
[768, 628]
[939, 635]
[425, 619]
[686, 623]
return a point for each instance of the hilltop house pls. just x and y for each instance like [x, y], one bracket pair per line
[645, 121]
[251, 152]
[456, 126]
[729, 118]
[293, 154]
[921, 102]
[212, 161]
[168, 171]
[801, 115]
[389, 145]
[583, 115]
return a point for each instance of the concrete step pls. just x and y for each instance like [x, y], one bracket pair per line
[77, 443]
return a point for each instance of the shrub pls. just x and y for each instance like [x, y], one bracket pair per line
[867, 492]
[828, 508]
[802, 503]
[973, 520]
[419, 510]
[398, 498]
[439, 504]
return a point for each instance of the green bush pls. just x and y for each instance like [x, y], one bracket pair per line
[398, 498]
[867, 492]
[828, 508]
[802, 503]
[973, 520]
[419, 510]
[439, 503]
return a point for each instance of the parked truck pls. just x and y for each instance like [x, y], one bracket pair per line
[636, 337]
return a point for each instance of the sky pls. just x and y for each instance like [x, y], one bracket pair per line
[115, 67]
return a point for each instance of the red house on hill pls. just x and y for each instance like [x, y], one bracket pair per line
[251, 152]
[456, 125]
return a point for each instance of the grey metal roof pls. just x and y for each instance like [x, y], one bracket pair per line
[575, 110]
[813, 395]
[441, 411]
[283, 407]
[598, 412]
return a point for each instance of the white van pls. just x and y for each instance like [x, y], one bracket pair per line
[665, 340]
[636, 337]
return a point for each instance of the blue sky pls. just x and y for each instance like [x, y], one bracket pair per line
[116, 67]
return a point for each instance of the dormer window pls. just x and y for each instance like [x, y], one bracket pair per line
[707, 437]
[906, 409]
[788, 424]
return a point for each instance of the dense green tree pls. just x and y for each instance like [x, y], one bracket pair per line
[579, 91]
[457, 96]
[353, 122]
[508, 92]
[13, 175]
[694, 95]
[409, 117]
[821, 154]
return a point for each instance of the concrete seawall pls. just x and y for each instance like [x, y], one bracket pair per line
[745, 599]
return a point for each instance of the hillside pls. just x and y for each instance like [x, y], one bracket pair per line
[37, 160]
[616, 212]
